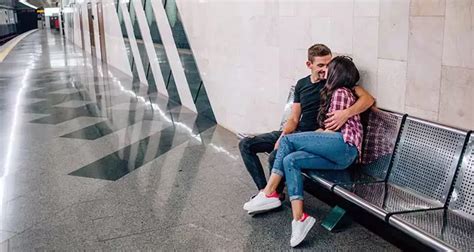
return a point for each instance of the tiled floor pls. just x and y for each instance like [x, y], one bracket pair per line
[91, 161]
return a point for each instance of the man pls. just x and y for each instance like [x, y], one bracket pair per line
[303, 115]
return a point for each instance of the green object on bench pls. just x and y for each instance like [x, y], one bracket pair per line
[336, 220]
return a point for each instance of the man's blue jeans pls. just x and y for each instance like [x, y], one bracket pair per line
[311, 150]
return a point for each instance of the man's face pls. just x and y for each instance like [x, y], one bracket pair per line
[319, 66]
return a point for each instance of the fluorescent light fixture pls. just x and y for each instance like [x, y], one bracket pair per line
[28, 4]
[50, 11]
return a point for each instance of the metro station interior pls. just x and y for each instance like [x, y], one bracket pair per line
[236, 125]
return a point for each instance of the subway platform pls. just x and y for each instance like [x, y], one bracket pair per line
[91, 160]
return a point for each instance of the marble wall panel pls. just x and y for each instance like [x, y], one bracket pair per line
[457, 92]
[424, 63]
[366, 8]
[421, 113]
[365, 44]
[427, 7]
[391, 88]
[458, 45]
[393, 29]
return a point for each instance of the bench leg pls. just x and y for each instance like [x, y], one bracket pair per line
[336, 220]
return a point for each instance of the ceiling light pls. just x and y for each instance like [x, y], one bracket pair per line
[28, 4]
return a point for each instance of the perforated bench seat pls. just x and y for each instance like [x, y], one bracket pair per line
[440, 229]
[424, 163]
[451, 228]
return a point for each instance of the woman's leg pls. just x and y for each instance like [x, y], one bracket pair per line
[293, 163]
[277, 173]
[308, 150]
[330, 146]
[297, 209]
[302, 223]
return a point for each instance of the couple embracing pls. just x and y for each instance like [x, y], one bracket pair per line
[324, 131]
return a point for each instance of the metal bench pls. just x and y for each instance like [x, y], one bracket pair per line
[405, 177]
[424, 164]
[450, 228]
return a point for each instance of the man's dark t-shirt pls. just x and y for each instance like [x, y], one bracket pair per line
[308, 95]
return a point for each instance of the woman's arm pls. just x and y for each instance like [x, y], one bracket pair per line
[337, 118]
[341, 100]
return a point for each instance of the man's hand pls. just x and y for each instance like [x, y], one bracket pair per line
[336, 120]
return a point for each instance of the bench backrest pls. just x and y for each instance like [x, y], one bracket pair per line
[380, 136]
[288, 105]
[426, 158]
[462, 196]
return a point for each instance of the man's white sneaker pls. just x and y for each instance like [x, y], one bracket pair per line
[300, 228]
[262, 203]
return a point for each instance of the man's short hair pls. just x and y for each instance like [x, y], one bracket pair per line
[318, 50]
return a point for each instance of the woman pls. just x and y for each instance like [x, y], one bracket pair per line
[322, 149]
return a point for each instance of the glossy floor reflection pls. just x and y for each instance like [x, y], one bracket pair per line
[92, 160]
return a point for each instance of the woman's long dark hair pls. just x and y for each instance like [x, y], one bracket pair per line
[342, 72]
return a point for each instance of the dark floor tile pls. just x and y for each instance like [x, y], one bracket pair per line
[124, 161]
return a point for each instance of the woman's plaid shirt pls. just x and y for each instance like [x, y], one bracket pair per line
[343, 98]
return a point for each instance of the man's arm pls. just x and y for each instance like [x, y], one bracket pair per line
[337, 119]
[292, 122]
[294, 119]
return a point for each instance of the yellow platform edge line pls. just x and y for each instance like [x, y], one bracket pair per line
[7, 47]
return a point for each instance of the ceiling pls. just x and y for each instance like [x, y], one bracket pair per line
[43, 3]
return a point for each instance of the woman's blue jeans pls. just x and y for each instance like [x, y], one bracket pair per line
[311, 150]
